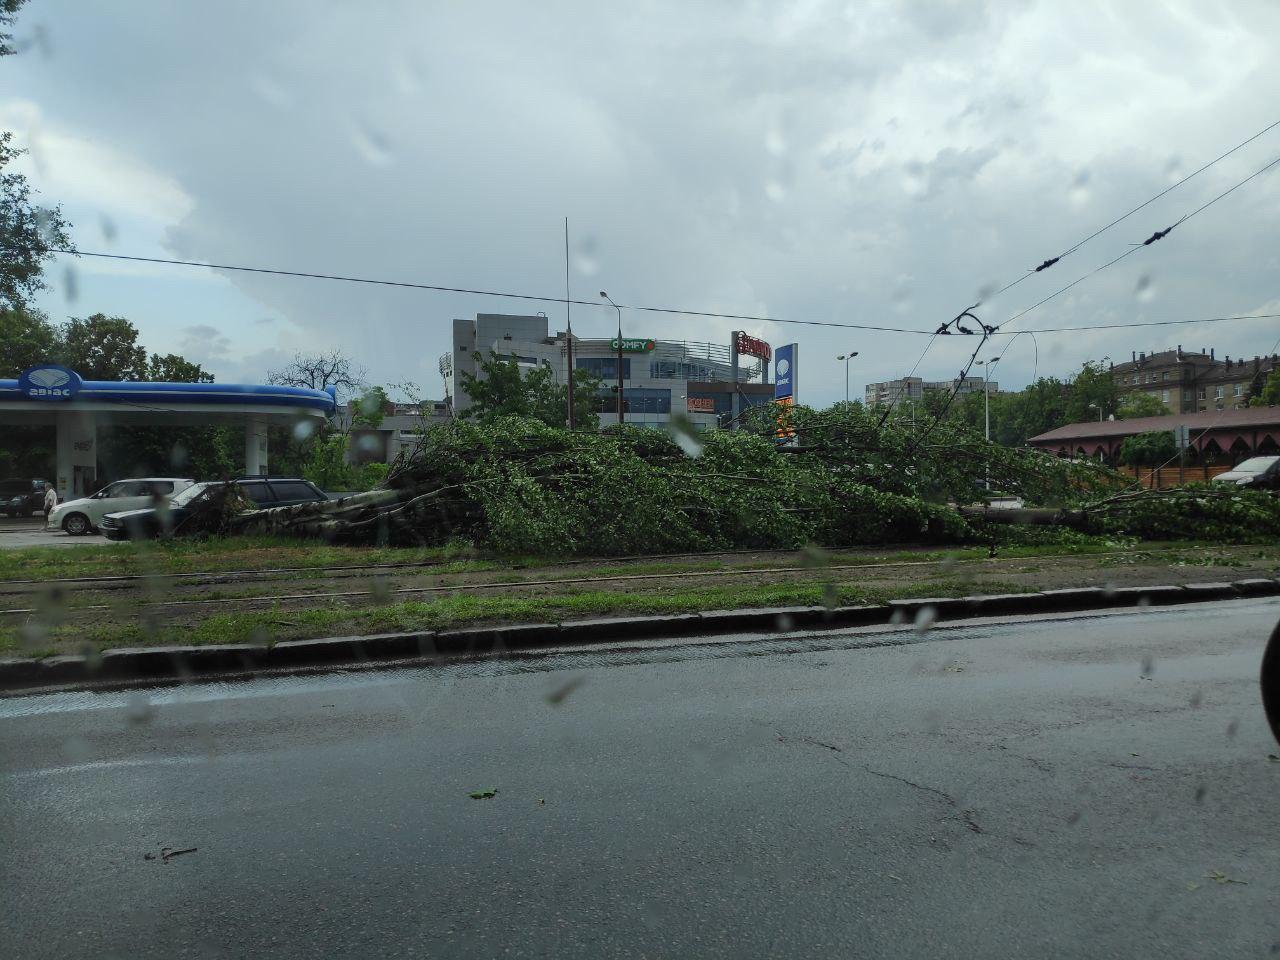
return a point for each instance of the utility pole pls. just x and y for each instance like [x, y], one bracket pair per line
[619, 309]
[986, 408]
[568, 325]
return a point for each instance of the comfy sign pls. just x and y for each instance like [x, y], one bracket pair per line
[752, 346]
[49, 382]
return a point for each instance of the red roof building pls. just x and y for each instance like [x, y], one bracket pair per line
[1213, 436]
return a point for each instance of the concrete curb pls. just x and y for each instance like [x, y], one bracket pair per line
[168, 663]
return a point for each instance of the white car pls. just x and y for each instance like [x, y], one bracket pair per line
[78, 517]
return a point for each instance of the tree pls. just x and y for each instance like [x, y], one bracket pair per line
[29, 234]
[320, 371]
[26, 338]
[172, 368]
[1092, 389]
[1270, 395]
[8, 13]
[504, 391]
[1139, 404]
[103, 348]
[1149, 449]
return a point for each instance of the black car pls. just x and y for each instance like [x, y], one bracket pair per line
[1256, 473]
[21, 498]
[151, 522]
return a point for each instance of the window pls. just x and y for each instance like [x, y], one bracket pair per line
[636, 400]
[1164, 395]
[604, 367]
[257, 491]
[1186, 395]
[292, 490]
[1238, 390]
[1200, 393]
[683, 370]
[1218, 393]
[1164, 375]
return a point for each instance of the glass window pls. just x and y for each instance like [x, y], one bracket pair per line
[257, 491]
[604, 367]
[1200, 394]
[1164, 375]
[1186, 394]
[1218, 393]
[292, 490]
[1164, 395]
[1238, 390]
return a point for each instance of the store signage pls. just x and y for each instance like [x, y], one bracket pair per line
[751, 346]
[782, 416]
[701, 404]
[633, 345]
[49, 382]
[784, 372]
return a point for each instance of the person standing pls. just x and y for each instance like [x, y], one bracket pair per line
[50, 498]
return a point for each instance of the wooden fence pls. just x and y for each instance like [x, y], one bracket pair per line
[1167, 477]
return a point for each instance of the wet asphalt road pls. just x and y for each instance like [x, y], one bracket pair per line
[1075, 787]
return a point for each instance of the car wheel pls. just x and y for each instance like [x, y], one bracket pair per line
[76, 524]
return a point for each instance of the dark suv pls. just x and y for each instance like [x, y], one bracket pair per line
[151, 522]
[21, 498]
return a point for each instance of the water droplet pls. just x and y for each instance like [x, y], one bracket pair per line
[70, 284]
[138, 708]
[1109, 590]
[774, 142]
[932, 722]
[1080, 192]
[108, 228]
[369, 443]
[76, 748]
[1073, 817]
[586, 256]
[830, 596]
[775, 191]
[1173, 169]
[898, 617]
[1197, 698]
[178, 456]
[914, 181]
[1148, 666]
[925, 618]
[685, 435]
[812, 555]
[1200, 792]
[1145, 291]
[372, 145]
[784, 622]
[32, 636]
[1143, 603]
[380, 590]
[303, 430]
[1232, 728]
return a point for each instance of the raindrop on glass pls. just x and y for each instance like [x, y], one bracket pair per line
[70, 284]
[1197, 698]
[1173, 169]
[1148, 666]
[898, 617]
[586, 256]
[685, 435]
[1233, 727]
[1079, 192]
[303, 430]
[784, 622]
[138, 708]
[1145, 291]
[108, 228]
[775, 191]
[830, 596]
[775, 143]
[178, 456]
[372, 145]
[1200, 792]
[925, 618]
[914, 181]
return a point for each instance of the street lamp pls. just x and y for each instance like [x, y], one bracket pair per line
[846, 357]
[619, 309]
[986, 393]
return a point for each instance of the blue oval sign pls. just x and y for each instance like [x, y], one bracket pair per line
[49, 382]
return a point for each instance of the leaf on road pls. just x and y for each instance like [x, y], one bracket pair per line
[483, 794]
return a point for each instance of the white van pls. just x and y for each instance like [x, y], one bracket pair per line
[77, 517]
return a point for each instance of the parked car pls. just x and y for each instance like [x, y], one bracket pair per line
[21, 497]
[80, 516]
[263, 492]
[1256, 473]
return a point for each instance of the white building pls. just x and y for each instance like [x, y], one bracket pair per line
[660, 378]
[914, 388]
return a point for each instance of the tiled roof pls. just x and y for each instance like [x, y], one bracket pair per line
[1203, 420]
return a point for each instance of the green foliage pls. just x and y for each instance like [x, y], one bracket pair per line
[1149, 449]
[502, 390]
[28, 233]
[1270, 394]
[103, 348]
[1196, 512]
[367, 410]
[1092, 390]
[8, 13]
[172, 368]
[1140, 404]
[26, 338]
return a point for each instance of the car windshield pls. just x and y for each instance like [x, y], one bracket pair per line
[733, 479]
[1255, 464]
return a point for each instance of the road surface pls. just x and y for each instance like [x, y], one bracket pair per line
[1081, 787]
[18, 533]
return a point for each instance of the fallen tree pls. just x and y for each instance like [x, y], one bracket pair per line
[519, 486]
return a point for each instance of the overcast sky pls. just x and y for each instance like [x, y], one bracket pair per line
[860, 163]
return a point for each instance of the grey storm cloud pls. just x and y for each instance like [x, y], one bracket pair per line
[876, 163]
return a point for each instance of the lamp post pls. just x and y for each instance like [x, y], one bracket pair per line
[619, 309]
[846, 357]
[986, 366]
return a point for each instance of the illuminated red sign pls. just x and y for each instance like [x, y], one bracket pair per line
[753, 347]
[701, 405]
